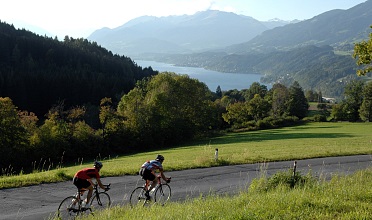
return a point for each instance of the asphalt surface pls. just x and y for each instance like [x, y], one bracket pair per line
[41, 201]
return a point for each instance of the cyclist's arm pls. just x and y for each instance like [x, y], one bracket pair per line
[162, 175]
[100, 184]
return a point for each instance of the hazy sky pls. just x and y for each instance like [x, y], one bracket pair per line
[79, 18]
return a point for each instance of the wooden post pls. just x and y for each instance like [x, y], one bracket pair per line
[216, 155]
[294, 174]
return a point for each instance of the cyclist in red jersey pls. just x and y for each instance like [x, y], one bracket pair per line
[83, 180]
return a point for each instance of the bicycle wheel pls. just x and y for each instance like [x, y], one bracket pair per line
[137, 197]
[100, 201]
[67, 210]
[162, 194]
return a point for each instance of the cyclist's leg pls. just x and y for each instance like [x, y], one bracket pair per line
[147, 183]
[150, 179]
[90, 193]
[80, 191]
[154, 183]
[83, 185]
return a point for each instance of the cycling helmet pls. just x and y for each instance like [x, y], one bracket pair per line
[98, 164]
[160, 157]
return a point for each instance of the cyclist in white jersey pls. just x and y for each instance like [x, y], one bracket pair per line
[148, 172]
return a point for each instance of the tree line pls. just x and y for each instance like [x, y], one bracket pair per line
[161, 111]
[38, 72]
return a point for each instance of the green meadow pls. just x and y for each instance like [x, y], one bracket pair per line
[290, 143]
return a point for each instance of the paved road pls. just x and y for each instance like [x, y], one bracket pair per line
[41, 201]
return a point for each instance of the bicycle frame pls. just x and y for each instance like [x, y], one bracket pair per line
[161, 194]
[72, 205]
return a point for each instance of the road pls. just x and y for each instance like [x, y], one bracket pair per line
[41, 201]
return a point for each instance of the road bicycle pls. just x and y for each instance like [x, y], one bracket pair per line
[161, 193]
[72, 206]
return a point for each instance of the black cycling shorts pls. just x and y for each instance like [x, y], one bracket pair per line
[81, 183]
[148, 175]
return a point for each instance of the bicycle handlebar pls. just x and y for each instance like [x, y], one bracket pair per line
[167, 181]
[106, 186]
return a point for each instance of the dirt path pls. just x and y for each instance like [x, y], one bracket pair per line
[41, 201]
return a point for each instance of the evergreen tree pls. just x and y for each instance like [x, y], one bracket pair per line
[219, 92]
[297, 104]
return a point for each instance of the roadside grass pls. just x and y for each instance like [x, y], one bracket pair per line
[310, 140]
[343, 197]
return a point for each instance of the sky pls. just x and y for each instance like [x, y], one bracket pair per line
[80, 18]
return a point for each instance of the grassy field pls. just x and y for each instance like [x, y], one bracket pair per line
[290, 143]
[343, 197]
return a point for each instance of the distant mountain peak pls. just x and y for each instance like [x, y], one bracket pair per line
[204, 30]
[275, 19]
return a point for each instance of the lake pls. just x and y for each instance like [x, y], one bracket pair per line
[211, 78]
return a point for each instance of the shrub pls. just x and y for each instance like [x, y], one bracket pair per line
[61, 175]
[282, 179]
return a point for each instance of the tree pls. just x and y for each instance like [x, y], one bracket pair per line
[235, 95]
[279, 99]
[365, 110]
[29, 121]
[258, 107]
[354, 99]
[237, 114]
[255, 88]
[113, 129]
[13, 141]
[312, 96]
[106, 113]
[297, 104]
[219, 91]
[227, 100]
[363, 54]
[338, 113]
[167, 109]
[54, 136]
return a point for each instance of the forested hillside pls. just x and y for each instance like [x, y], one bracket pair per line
[315, 68]
[38, 72]
[337, 28]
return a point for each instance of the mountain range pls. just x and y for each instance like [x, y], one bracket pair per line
[213, 30]
[206, 30]
[337, 28]
[318, 48]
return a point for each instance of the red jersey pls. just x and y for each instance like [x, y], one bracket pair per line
[87, 173]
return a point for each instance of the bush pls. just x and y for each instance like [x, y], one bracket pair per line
[316, 118]
[271, 122]
[280, 179]
[61, 175]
